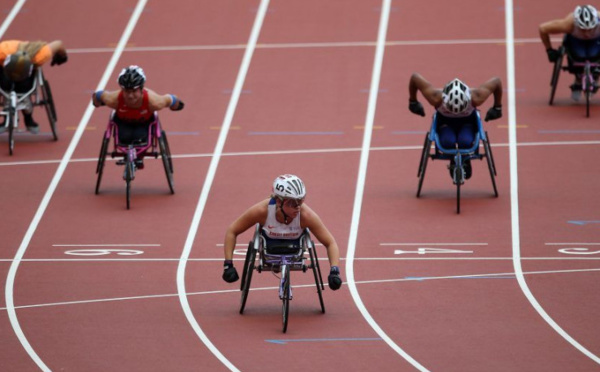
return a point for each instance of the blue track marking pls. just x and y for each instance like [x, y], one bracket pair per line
[183, 133]
[569, 131]
[295, 133]
[409, 132]
[583, 222]
[284, 342]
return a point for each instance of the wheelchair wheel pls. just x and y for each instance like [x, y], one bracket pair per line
[10, 120]
[128, 176]
[247, 275]
[317, 274]
[459, 177]
[101, 160]
[286, 296]
[50, 108]
[423, 163]
[165, 155]
[490, 162]
[556, 74]
[248, 254]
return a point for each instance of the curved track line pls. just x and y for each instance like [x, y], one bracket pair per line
[12, 272]
[237, 90]
[514, 186]
[360, 184]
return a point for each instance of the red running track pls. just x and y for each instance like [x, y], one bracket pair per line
[302, 110]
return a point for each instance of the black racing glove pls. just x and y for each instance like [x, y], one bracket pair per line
[416, 108]
[334, 278]
[180, 107]
[553, 55]
[493, 113]
[230, 274]
[58, 59]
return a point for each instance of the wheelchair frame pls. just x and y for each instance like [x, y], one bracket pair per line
[587, 80]
[12, 102]
[157, 144]
[458, 155]
[283, 262]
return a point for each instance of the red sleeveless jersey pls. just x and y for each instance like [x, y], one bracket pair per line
[142, 114]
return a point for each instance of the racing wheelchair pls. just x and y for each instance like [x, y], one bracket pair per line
[457, 157]
[589, 71]
[281, 256]
[15, 97]
[132, 154]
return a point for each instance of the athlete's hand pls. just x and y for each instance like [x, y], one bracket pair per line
[334, 278]
[230, 274]
[553, 55]
[416, 108]
[493, 113]
[179, 106]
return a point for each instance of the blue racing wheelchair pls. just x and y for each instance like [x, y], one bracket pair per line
[589, 71]
[281, 256]
[457, 157]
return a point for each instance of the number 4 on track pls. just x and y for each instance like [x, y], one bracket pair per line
[423, 250]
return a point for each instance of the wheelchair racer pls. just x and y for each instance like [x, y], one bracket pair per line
[134, 106]
[456, 109]
[283, 216]
[18, 60]
[582, 40]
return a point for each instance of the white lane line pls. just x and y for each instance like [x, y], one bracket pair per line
[347, 44]
[10, 17]
[410, 244]
[106, 245]
[12, 272]
[50, 260]
[360, 184]
[212, 169]
[572, 243]
[514, 184]
[309, 286]
[300, 152]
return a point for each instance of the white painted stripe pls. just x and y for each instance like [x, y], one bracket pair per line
[300, 152]
[52, 187]
[307, 286]
[106, 245]
[11, 16]
[220, 259]
[360, 184]
[410, 244]
[347, 44]
[212, 169]
[572, 243]
[514, 184]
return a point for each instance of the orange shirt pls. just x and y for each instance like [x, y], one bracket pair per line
[11, 46]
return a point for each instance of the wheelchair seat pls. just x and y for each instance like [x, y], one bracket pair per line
[282, 246]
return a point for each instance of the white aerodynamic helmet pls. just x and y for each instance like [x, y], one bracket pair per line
[456, 96]
[288, 186]
[586, 17]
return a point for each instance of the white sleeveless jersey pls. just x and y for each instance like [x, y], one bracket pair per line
[582, 35]
[449, 114]
[276, 230]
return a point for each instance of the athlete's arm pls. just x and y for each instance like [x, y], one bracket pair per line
[480, 94]
[106, 98]
[558, 26]
[253, 215]
[311, 220]
[429, 92]
[157, 102]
